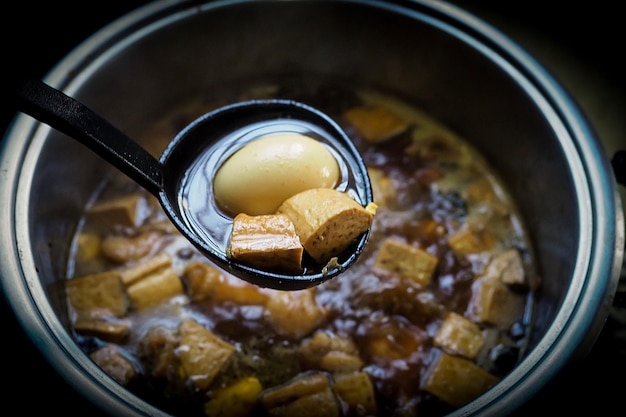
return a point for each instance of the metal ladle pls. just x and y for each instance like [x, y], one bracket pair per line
[163, 177]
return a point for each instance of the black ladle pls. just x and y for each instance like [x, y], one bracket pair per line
[163, 177]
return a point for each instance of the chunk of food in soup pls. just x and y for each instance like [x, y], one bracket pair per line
[326, 221]
[417, 326]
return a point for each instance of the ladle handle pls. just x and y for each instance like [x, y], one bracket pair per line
[69, 116]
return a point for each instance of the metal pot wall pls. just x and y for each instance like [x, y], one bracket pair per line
[462, 71]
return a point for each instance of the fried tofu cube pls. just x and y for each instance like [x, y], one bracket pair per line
[307, 395]
[157, 349]
[88, 247]
[115, 363]
[139, 271]
[267, 242]
[375, 123]
[459, 336]
[406, 261]
[206, 282]
[200, 280]
[456, 380]
[337, 362]
[155, 288]
[202, 353]
[236, 400]
[129, 210]
[357, 390]
[494, 303]
[383, 189]
[98, 291]
[107, 330]
[467, 241]
[294, 313]
[508, 267]
[327, 221]
[332, 346]
[123, 249]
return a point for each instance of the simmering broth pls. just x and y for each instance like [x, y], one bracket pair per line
[433, 313]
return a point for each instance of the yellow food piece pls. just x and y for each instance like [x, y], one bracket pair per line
[494, 303]
[508, 267]
[307, 395]
[155, 288]
[294, 313]
[88, 247]
[104, 329]
[406, 261]
[327, 221]
[456, 380]
[376, 123]
[257, 178]
[98, 291]
[467, 241]
[357, 391]
[459, 336]
[115, 363]
[236, 400]
[128, 210]
[205, 282]
[266, 242]
[135, 273]
[202, 353]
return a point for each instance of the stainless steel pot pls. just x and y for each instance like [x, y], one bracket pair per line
[459, 69]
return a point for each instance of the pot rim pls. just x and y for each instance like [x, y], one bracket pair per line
[581, 316]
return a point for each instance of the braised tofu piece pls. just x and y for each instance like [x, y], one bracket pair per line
[98, 291]
[508, 268]
[123, 249]
[88, 247]
[357, 391]
[129, 210]
[155, 288]
[294, 313]
[202, 353]
[406, 261]
[459, 336]
[157, 349]
[107, 330]
[307, 395]
[330, 352]
[468, 241]
[337, 362]
[375, 123]
[456, 380]
[494, 303]
[236, 400]
[200, 280]
[111, 359]
[267, 242]
[141, 270]
[206, 282]
[327, 221]
[391, 340]
[383, 189]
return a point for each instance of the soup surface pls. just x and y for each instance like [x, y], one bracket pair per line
[433, 314]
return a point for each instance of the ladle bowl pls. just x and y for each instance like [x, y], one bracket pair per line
[211, 133]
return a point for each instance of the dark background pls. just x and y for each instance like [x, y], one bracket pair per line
[583, 43]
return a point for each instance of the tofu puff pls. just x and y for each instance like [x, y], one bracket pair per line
[321, 221]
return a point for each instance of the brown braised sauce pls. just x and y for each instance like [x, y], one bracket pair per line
[434, 192]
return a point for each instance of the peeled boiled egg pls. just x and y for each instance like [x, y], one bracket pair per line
[257, 178]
